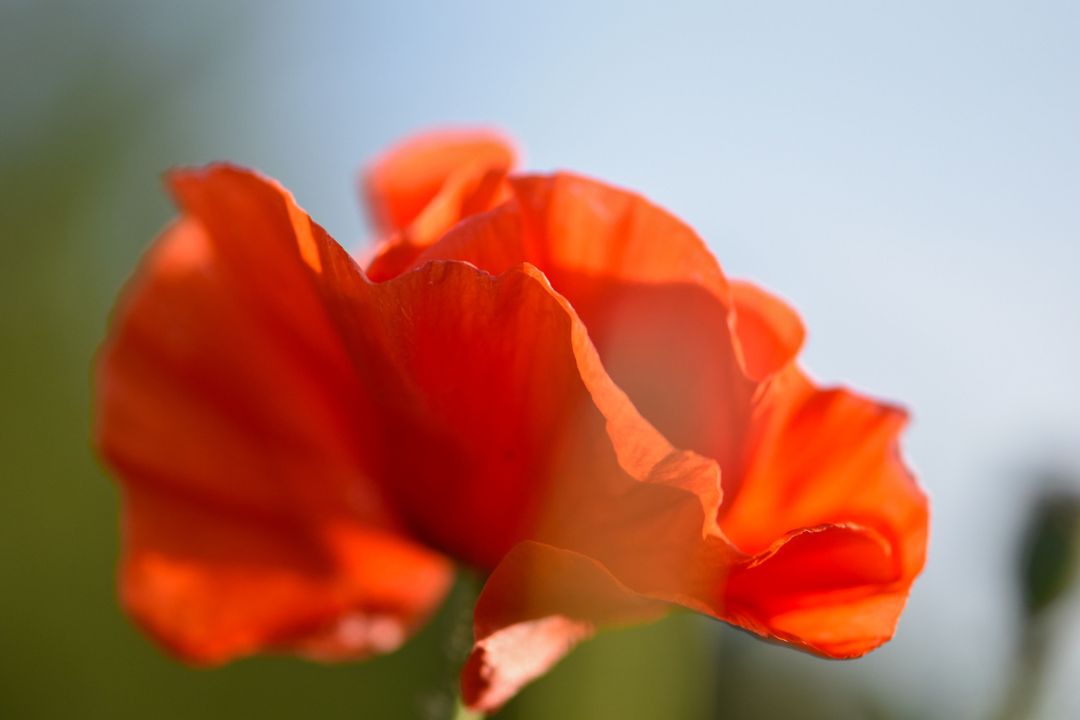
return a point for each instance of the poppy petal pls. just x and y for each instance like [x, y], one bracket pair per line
[654, 300]
[211, 583]
[225, 407]
[421, 188]
[829, 459]
[836, 590]
[537, 605]
[769, 331]
[825, 457]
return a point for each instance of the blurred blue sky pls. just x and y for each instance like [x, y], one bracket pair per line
[908, 174]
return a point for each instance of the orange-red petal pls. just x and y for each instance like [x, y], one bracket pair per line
[827, 462]
[819, 457]
[421, 188]
[226, 407]
[835, 590]
[655, 303]
[213, 583]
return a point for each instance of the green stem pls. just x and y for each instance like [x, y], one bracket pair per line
[463, 713]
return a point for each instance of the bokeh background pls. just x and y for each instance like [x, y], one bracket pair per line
[907, 174]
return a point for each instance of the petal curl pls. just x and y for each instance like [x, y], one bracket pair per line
[819, 457]
[835, 590]
[422, 187]
[225, 406]
[828, 461]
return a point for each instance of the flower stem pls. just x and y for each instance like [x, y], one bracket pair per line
[463, 713]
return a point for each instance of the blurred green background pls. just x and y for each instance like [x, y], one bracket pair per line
[873, 134]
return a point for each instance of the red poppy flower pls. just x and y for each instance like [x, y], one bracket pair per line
[540, 376]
